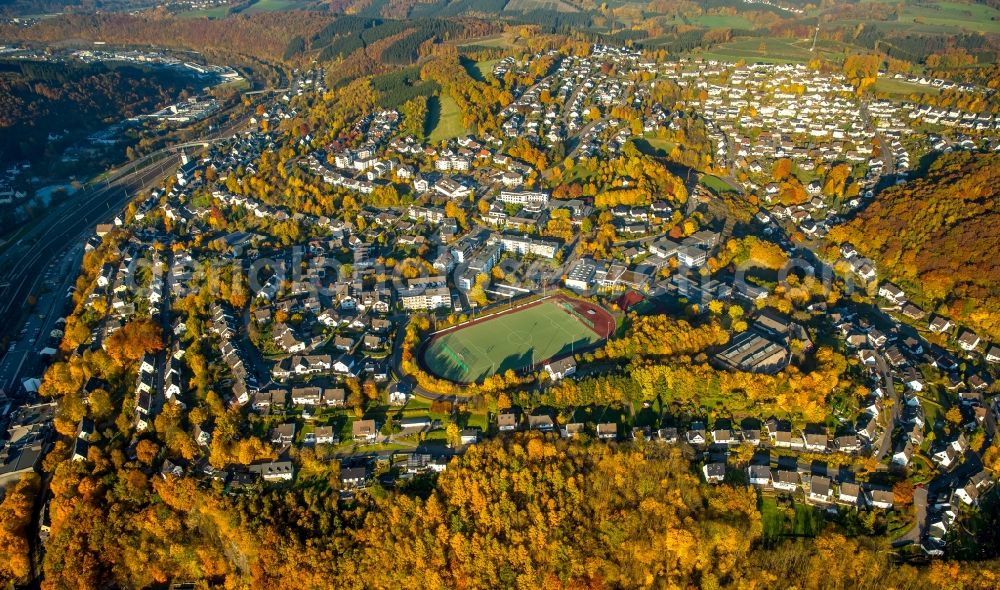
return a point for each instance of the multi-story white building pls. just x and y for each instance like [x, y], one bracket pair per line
[522, 245]
[425, 293]
[692, 256]
[523, 197]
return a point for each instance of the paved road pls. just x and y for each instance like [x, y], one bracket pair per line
[890, 390]
[22, 358]
[21, 263]
[569, 102]
[640, 241]
[396, 369]
[265, 91]
[388, 453]
[583, 131]
[260, 366]
[888, 158]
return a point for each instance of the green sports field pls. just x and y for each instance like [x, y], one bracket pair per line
[514, 340]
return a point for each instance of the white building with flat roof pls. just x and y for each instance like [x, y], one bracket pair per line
[581, 276]
[523, 245]
[523, 197]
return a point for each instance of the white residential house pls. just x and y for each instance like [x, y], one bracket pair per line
[714, 472]
[820, 489]
[993, 354]
[759, 475]
[561, 368]
[850, 494]
[398, 397]
[939, 324]
[786, 481]
[969, 341]
[878, 498]
[892, 293]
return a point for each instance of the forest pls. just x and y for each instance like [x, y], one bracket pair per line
[524, 512]
[284, 32]
[263, 36]
[72, 100]
[937, 236]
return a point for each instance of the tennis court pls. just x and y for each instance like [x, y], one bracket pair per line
[514, 340]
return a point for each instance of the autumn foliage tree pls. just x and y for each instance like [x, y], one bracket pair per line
[15, 520]
[836, 179]
[750, 250]
[662, 335]
[936, 237]
[135, 339]
[523, 511]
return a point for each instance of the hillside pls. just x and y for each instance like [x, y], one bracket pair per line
[952, 36]
[71, 100]
[522, 513]
[937, 237]
[263, 36]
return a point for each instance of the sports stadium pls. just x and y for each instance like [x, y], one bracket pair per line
[521, 338]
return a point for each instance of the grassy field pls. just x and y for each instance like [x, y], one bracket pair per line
[970, 17]
[479, 421]
[938, 18]
[764, 49]
[214, 12]
[654, 146]
[716, 184]
[801, 521]
[500, 42]
[772, 519]
[714, 21]
[274, 6]
[444, 119]
[529, 5]
[513, 340]
[808, 520]
[893, 86]
[485, 67]
[478, 69]
[774, 50]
